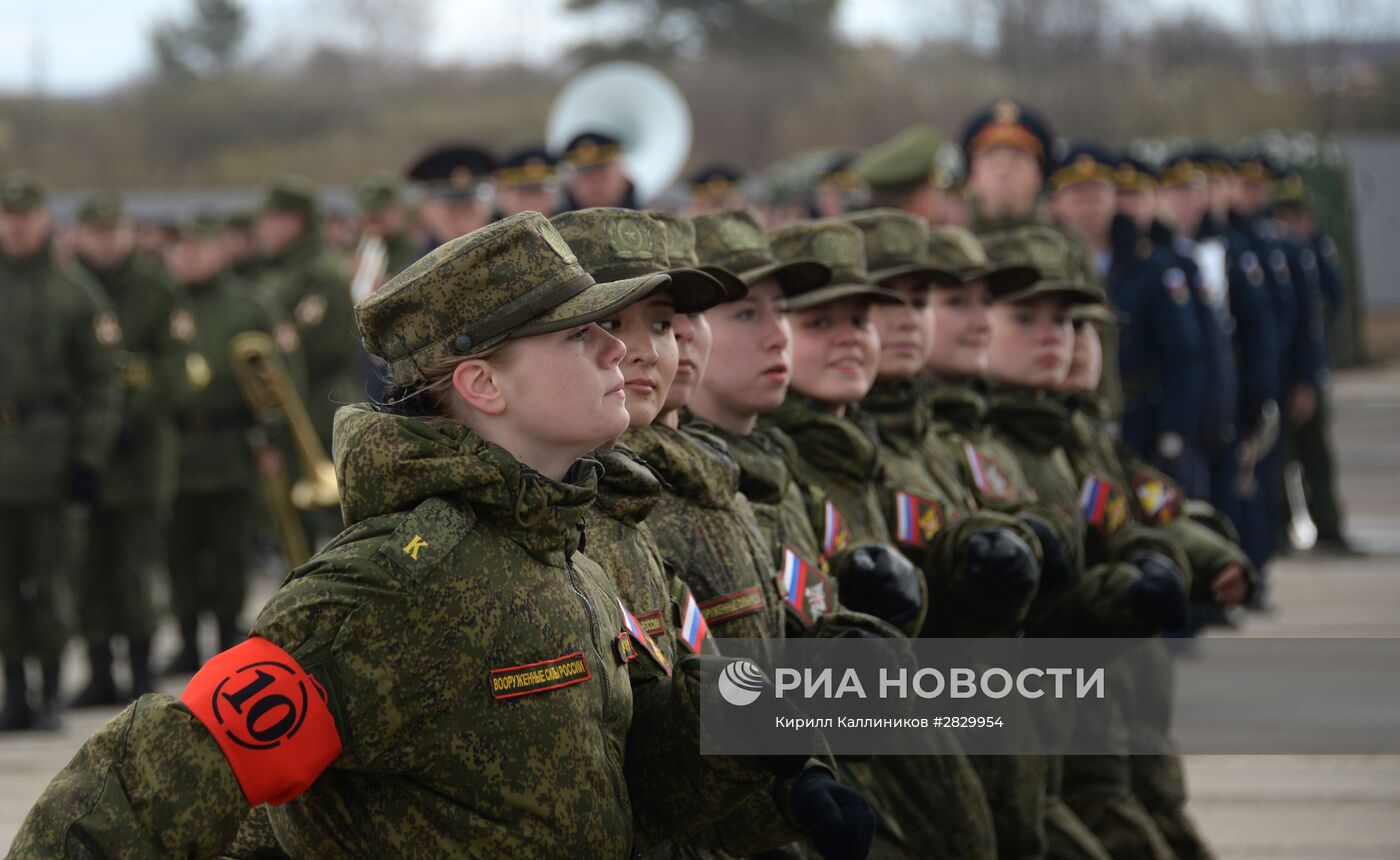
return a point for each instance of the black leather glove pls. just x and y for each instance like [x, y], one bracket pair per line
[837, 820]
[1159, 597]
[879, 581]
[1055, 569]
[82, 485]
[1000, 560]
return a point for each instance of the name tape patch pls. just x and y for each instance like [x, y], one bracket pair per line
[512, 682]
[727, 607]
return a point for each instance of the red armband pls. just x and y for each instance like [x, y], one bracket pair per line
[269, 717]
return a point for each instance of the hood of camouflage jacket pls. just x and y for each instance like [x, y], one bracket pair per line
[839, 445]
[693, 465]
[387, 463]
[628, 488]
[962, 405]
[900, 413]
[1037, 418]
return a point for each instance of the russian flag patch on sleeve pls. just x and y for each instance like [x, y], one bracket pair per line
[917, 519]
[633, 627]
[694, 630]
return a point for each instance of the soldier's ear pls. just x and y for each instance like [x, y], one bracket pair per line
[476, 383]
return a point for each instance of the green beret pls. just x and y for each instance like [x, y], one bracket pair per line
[289, 193]
[377, 191]
[1048, 252]
[511, 279]
[904, 161]
[22, 192]
[100, 210]
[616, 244]
[842, 248]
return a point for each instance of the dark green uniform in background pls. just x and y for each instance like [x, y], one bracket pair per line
[58, 417]
[114, 589]
[211, 532]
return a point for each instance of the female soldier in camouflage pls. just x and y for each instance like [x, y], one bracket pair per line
[420, 685]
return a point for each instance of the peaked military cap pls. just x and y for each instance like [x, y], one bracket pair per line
[1256, 166]
[515, 278]
[904, 161]
[528, 166]
[838, 171]
[102, 209]
[452, 172]
[1182, 169]
[1045, 250]
[715, 181]
[680, 250]
[1006, 123]
[1291, 192]
[732, 240]
[291, 193]
[1134, 175]
[1083, 163]
[896, 245]
[1216, 162]
[615, 244]
[22, 191]
[841, 247]
[958, 253]
[591, 148]
[377, 191]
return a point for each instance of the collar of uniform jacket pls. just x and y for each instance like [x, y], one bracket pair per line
[691, 465]
[899, 411]
[1035, 417]
[628, 489]
[830, 443]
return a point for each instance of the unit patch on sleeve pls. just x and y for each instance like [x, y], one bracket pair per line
[511, 682]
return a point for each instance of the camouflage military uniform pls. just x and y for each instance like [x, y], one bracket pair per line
[446, 702]
[58, 414]
[211, 530]
[708, 533]
[114, 590]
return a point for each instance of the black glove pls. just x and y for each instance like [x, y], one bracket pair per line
[1000, 560]
[1055, 569]
[1159, 597]
[879, 581]
[82, 485]
[838, 821]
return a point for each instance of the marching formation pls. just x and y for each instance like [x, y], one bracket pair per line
[533, 452]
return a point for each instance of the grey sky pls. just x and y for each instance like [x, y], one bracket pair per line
[77, 47]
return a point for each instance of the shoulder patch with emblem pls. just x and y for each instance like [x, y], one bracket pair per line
[694, 630]
[311, 310]
[917, 519]
[632, 627]
[1102, 504]
[835, 537]
[425, 538]
[805, 588]
[182, 325]
[988, 475]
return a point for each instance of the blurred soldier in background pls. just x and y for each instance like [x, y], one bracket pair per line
[241, 245]
[453, 181]
[58, 416]
[527, 180]
[715, 188]
[114, 587]
[595, 174]
[307, 282]
[1310, 443]
[901, 174]
[211, 531]
[838, 189]
[384, 218]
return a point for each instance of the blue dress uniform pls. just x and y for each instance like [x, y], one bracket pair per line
[1160, 352]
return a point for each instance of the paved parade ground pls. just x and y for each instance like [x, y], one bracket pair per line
[1250, 808]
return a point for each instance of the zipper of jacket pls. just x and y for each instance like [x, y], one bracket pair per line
[593, 617]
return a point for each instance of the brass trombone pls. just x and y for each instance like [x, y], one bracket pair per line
[268, 389]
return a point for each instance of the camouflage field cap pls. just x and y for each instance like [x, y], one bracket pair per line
[514, 278]
[680, 250]
[290, 193]
[377, 191]
[842, 248]
[616, 244]
[896, 245]
[1047, 251]
[1094, 312]
[732, 240]
[22, 191]
[200, 227]
[958, 253]
[102, 209]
